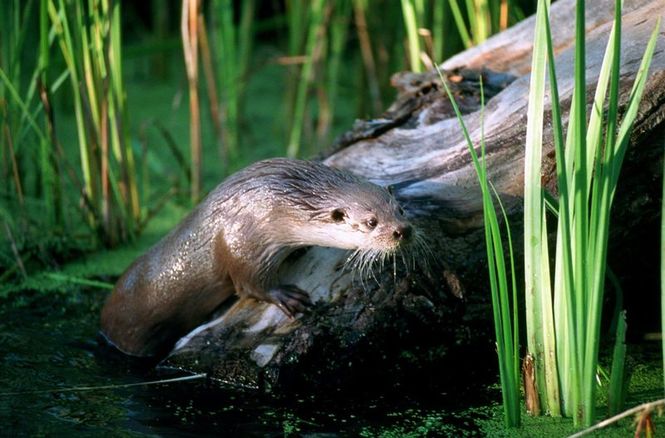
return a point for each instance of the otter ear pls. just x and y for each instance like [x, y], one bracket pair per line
[338, 215]
[391, 189]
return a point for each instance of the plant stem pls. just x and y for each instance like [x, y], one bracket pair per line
[306, 76]
[189, 26]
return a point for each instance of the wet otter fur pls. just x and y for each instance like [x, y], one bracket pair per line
[234, 242]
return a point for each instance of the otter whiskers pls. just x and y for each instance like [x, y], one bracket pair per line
[366, 263]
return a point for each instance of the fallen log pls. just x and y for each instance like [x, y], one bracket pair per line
[369, 330]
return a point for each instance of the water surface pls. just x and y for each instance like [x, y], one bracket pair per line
[49, 342]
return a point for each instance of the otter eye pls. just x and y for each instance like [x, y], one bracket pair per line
[338, 215]
[372, 222]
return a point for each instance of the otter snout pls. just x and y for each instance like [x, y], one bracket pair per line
[402, 232]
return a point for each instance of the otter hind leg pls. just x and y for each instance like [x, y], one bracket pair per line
[290, 299]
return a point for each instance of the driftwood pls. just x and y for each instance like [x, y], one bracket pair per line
[362, 329]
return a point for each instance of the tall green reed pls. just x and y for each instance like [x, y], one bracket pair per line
[13, 108]
[413, 15]
[225, 63]
[477, 20]
[189, 28]
[504, 294]
[233, 49]
[315, 66]
[371, 67]
[211, 86]
[314, 34]
[432, 28]
[90, 45]
[296, 12]
[538, 303]
[438, 29]
[416, 32]
[88, 35]
[588, 165]
[339, 24]
[51, 181]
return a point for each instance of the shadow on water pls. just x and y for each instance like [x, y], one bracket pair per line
[49, 342]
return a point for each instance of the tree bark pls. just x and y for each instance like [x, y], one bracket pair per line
[371, 330]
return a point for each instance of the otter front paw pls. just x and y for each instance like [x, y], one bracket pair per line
[290, 299]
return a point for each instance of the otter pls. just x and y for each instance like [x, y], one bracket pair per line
[234, 242]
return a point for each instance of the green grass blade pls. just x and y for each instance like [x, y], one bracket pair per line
[61, 26]
[119, 96]
[580, 197]
[508, 314]
[506, 348]
[306, 74]
[564, 300]
[338, 37]
[245, 40]
[539, 318]
[459, 22]
[438, 30]
[409, 13]
[48, 167]
[483, 21]
[513, 283]
[22, 105]
[635, 97]
[594, 131]
[599, 224]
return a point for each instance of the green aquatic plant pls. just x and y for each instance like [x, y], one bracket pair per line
[190, 24]
[233, 51]
[77, 59]
[338, 32]
[588, 166]
[315, 29]
[563, 328]
[22, 116]
[503, 282]
[370, 64]
[90, 45]
[434, 29]
[538, 303]
[413, 11]
[484, 18]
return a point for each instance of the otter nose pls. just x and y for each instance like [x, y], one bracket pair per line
[402, 232]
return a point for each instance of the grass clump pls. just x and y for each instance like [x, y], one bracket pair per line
[588, 166]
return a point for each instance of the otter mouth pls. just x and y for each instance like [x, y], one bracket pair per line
[404, 247]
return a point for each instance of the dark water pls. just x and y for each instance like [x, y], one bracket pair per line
[49, 342]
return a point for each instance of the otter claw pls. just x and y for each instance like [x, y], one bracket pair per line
[290, 299]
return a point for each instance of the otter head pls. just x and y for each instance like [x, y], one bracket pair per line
[367, 217]
[338, 209]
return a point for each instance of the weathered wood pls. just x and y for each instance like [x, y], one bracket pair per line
[417, 147]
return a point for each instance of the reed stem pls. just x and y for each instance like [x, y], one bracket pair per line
[189, 29]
